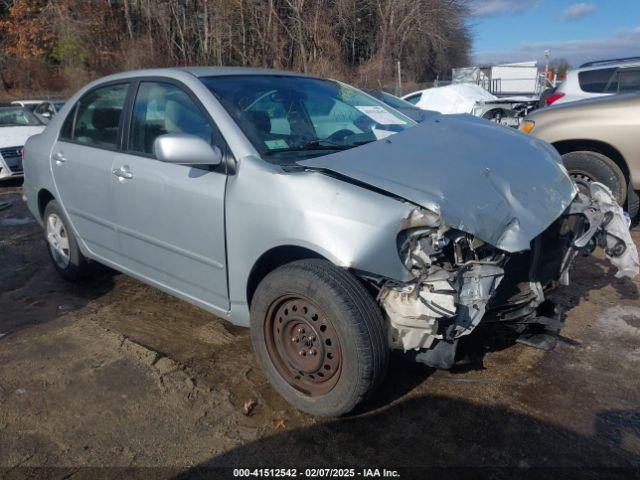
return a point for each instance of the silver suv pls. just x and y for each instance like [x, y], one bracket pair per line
[334, 226]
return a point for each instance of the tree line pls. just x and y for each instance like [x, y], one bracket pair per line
[59, 45]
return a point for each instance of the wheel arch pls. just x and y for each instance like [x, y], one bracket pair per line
[44, 197]
[567, 146]
[274, 258]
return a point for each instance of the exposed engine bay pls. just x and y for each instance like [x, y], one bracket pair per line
[461, 281]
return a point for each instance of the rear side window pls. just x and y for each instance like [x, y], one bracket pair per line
[629, 81]
[97, 116]
[596, 81]
[162, 108]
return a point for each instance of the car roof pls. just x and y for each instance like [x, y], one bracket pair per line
[28, 102]
[199, 72]
[609, 65]
[193, 72]
[222, 71]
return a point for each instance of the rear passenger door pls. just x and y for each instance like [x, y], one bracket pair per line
[81, 164]
[171, 217]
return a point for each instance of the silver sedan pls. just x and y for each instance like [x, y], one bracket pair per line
[334, 226]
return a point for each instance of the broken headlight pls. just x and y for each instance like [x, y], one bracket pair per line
[420, 239]
[418, 247]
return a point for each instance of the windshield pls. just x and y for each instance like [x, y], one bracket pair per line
[17, 117]
[290, 118]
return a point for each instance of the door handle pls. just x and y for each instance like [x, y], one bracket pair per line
[59, 158]
[122, 172]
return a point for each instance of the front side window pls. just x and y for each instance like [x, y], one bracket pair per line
[288, 118]
[17, 117]
[596, 81]
[162, 108]
[97, 119]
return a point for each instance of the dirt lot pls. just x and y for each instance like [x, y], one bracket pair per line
[112, 373]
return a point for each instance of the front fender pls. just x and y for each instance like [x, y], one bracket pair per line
[350, 225]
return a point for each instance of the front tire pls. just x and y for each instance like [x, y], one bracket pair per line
[319, 336]
[586, 167]
[62, 245]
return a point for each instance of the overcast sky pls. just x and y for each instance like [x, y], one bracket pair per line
[519, 30]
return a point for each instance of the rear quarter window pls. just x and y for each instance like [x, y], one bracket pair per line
[629, 81]
[595, 81]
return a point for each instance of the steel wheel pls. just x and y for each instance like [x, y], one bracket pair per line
[303, 345]
[583, 181]
[58, 240]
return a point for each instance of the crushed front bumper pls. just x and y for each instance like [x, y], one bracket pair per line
[462, 282]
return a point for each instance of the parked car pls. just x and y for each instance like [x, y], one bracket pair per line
[410, 110]
[598, 140]
[46, 110]
[16, 125]
[334, 226]
[598, 79]
[475, 100]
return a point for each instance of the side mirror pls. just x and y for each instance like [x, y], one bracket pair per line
[184, 149]
[46, 114]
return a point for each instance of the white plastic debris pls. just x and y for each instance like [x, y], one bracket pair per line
[617, 230]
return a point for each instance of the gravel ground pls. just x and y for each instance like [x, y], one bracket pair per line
[114, 374]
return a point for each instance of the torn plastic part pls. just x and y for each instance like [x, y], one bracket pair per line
[417, 313]
[618, 244]
[421, 217]
[608, 228]
[421, 237]
[413, 313]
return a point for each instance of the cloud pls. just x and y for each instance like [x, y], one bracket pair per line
[577, 11]
[495, 8]
[624, 43]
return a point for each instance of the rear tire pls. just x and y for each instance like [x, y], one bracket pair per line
[62, 245]
[586, 167]
[319, 336]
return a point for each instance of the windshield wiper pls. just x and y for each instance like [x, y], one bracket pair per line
[316, 145]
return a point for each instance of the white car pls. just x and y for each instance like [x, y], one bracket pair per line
[473, 99]
[46, 110]
[598, 79]
[17, 124]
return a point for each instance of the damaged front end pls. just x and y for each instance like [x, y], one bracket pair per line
[460, 281]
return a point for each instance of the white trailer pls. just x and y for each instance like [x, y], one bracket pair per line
[508, 79]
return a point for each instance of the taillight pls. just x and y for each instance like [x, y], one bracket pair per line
[22, 153]
[554, 97]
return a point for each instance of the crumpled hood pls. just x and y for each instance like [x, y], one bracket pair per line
[493, 182]
[17, 136]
